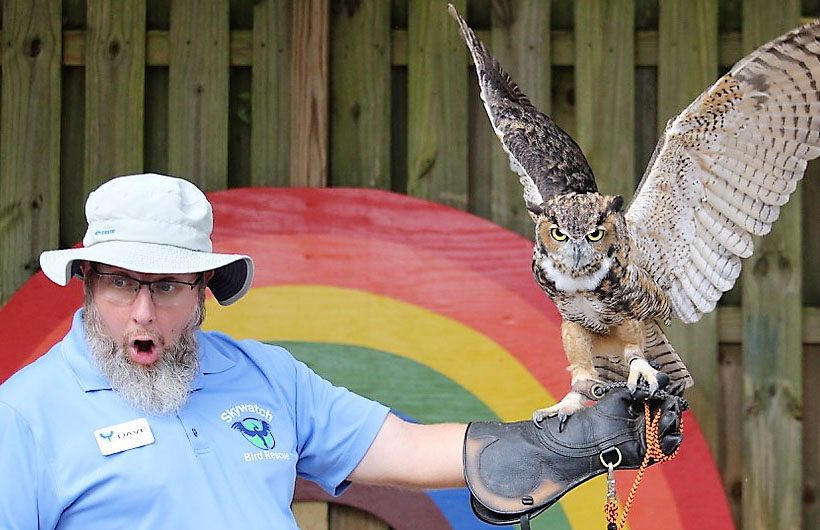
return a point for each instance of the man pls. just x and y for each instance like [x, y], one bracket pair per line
[137, 418]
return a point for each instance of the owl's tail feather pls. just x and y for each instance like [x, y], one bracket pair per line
[660, 354]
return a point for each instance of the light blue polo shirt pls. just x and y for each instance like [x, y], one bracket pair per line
[256, 419]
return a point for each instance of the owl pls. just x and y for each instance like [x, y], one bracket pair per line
[719, 175]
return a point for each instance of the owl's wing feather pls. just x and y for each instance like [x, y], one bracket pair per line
[547, 159]
[724, 167]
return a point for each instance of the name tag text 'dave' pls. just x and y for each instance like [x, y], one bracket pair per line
[124, 436]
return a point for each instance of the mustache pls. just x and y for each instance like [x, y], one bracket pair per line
[130, 336]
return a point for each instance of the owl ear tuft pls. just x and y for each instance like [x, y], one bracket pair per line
[617, 203]
[536, 209]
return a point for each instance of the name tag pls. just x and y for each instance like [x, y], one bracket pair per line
[124, 436]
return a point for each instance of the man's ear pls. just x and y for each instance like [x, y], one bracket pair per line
[206, 276]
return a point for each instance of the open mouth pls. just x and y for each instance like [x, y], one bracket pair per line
[144, 351]
[144, 346]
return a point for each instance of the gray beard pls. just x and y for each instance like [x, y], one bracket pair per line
[161, 388]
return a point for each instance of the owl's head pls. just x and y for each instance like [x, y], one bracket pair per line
[580, 232]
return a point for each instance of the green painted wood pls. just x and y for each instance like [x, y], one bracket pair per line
[687, 65]
[198, 92]
[605, 91]
[270, 94]
[437, 106]
[114, 90]
[309, 93]
[360, 94]
[520, 40]
[30, 142]
[772, 349]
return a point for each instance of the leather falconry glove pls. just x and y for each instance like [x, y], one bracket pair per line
[515, 471]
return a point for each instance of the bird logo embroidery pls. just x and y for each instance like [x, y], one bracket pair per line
[256, 431]
[719, 175]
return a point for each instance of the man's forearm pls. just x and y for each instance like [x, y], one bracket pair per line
[415, 455]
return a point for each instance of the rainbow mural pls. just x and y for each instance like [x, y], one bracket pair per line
[427, 309]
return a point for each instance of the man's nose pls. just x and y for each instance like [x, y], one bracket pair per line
[142, 308]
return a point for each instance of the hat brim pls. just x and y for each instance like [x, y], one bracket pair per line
[233, 273]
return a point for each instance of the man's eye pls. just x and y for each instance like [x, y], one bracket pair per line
[119, 282]
[165, 287]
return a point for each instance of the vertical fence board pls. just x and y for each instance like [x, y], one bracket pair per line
[605, 91]
[811, 238]
[309, 93]
[155, 130]
[343, 517]
[730, 427]
[482, 143]
[563, 99]
[311, 515]
[72, 135]
[30, 139]
[687, 64]
[198, 92]
[811, 439]
[72, 153]
[772, 345]
[520, 40]
[114, 90]
[270, 94]
[437, 108]
[360, 98]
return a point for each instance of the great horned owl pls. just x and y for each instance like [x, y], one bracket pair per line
[719, 175]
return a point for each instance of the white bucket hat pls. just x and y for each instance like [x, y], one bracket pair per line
[153, 224]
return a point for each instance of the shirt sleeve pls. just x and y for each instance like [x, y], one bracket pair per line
[335, 428]
[27, 495]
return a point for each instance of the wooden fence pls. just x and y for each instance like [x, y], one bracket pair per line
[374, 93]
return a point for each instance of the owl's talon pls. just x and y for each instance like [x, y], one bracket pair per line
[569, 405]
[562, 420]
[640, 370]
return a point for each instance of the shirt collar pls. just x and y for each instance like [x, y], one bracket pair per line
[211, 360]
[76, 353]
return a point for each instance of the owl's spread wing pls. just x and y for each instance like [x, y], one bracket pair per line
[547, 159]
[723, 169]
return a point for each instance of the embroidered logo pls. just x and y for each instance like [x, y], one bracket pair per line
[256, 431]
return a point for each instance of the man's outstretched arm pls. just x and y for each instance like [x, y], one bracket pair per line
[414, 455]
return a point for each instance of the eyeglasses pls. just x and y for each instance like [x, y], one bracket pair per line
[121, 289]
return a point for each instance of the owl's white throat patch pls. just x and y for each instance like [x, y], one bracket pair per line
[566, 283]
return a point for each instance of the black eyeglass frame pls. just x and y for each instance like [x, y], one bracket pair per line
[150, 284]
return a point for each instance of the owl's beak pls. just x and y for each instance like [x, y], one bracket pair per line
[578, 257]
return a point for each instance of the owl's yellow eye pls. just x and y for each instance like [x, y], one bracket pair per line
[557, 234]
[596, 235]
